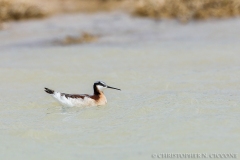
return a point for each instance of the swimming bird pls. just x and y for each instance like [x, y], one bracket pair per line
[77, 100]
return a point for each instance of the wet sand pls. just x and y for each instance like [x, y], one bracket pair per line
[180, 87]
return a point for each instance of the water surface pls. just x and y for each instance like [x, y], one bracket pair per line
[180, 88]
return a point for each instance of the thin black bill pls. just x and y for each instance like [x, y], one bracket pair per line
[113, 88]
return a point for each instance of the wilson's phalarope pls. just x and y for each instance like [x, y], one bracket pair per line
[76, 100]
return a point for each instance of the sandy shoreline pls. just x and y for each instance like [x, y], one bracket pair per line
[183, 10]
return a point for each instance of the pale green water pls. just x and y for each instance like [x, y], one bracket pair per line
[180, 88]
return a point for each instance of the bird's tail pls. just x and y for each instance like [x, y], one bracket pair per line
[49, 91]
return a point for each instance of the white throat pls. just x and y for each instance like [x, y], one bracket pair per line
[101, 88]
